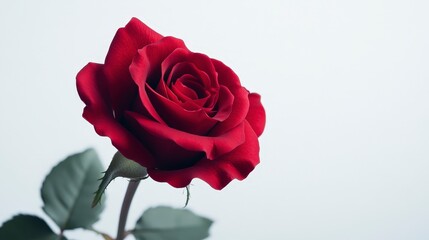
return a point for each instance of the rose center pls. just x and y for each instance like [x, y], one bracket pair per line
[190, 87]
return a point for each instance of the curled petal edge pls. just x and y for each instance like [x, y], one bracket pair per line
[99, 114]
[256, 115]
[212, 146]
[218, 173]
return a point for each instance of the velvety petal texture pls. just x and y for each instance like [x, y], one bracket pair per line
[180, 114]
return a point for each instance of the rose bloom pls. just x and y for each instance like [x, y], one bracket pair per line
[180, 114]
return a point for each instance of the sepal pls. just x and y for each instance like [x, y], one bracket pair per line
[120, 166]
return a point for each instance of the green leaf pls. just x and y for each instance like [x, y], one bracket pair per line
[119, 167]
[166, 223]
[68, 189]
[25, 227]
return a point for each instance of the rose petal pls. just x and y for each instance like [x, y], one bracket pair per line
[175, 116]
[146, 68]
[237, 115]
[236, 164]
[226, 76]
[256, 115]
[92, 91]
[124, 46]
[190, 85]
[182, 68]
[163, 90]
[167, 154]
[240, 106]
[90, 83]
[224, 104]
[199, 60]
[213, 147]
[186, 88]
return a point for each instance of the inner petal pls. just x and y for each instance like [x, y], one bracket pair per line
[178, 117]
[163, 90]
[183, 88]
[183, 68]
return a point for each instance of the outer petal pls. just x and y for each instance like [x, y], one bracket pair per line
[256, 115]
[213, 147]
[92, 91]
[124, 46]
[219, 172]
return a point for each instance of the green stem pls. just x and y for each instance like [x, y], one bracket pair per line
[131, 190]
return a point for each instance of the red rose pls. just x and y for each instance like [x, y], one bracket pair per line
[180, 114]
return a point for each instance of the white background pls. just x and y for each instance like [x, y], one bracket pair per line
[345, 85]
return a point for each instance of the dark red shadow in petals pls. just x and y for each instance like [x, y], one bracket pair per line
[256, 115]
[236, 164]
[213, 147]
[124, 46]
[91, 89]
[145, 68]
[167, 154]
